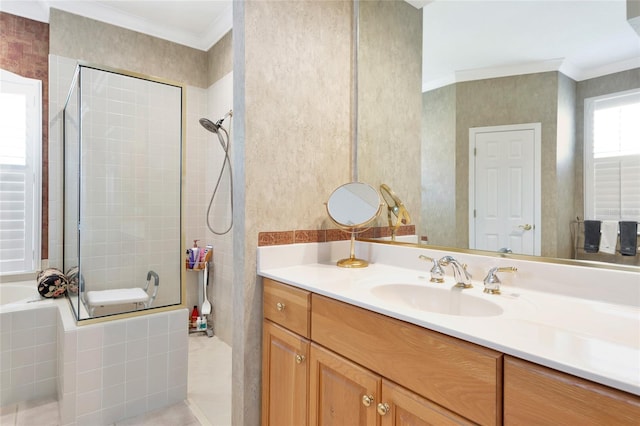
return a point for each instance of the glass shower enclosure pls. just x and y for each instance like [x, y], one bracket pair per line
[123, 160]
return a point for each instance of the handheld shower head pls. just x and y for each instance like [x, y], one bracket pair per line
[214, 127]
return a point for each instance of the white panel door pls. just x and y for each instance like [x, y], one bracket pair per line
[503, 192]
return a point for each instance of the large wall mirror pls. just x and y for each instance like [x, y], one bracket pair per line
[415, 113]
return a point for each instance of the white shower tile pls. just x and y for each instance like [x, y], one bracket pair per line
[23, 375]
[89, 360]
[22, 357]
[46, 352]
[114, 354]
[44, 335]
[136, 389]
[135, 407]
[111, 415]
[23, 320]
[46, 370]
[158, 344]
[22, 339]
[137, 328]
[113, 375]
[88, 402]
[89, 381]
[114, 332]
[90, 338]
[137, 370]
[137, 349]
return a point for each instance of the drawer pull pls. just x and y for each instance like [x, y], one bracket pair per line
[383, 408]
[299, 359]
[367, 400]
[280, 306]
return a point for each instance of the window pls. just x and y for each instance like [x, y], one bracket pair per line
[612, 156]
[20, 173]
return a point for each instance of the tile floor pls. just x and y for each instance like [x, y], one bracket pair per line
[208, 404]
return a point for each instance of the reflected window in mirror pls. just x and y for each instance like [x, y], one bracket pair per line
[612, 156]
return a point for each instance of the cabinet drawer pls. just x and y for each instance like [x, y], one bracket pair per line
[460, 376]
[287, 306]
[534, 394]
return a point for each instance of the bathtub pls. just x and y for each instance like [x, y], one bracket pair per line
[28, 344]
[19, 295]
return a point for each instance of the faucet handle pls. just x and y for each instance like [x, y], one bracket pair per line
[437, 274]
[492, 282]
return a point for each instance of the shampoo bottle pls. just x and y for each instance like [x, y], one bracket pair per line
[194, 317]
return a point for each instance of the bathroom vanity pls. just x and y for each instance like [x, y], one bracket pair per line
[333, 351]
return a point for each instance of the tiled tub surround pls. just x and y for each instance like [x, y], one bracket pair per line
[99, 373]
[28, 350]
[579, 320]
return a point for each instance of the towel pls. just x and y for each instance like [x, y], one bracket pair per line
[628, 238]
[609, 236]
[591, 236]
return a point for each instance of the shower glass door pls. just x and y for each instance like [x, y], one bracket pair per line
[123, 169]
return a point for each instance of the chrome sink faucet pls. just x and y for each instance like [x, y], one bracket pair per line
[492, 282]
[437, 273]
[460, 273]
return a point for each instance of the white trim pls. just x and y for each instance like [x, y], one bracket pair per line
[34, 89]
[537, 167]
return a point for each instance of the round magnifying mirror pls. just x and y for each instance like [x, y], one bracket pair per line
[352, 207]
[397, 214]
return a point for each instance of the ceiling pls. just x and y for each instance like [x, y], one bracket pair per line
[462, 39]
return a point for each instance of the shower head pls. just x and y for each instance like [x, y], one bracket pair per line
[214, 127]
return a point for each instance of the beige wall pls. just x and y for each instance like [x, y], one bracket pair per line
[292, 126]
[390, 100]
[565, 167]
[73, 36]
[438, 212]
[220, 59]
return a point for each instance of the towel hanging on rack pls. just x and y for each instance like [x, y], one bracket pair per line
[628, 238]
[591, 236]
[609, 236]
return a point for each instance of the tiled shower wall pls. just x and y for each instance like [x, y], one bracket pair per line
[29, 353]
[130, 182]
[120, 369]
[204, 160]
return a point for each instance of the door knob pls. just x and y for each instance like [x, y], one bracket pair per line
[280, 306]
[383, 408]
[526, 227]
[299, 358]
[367, 400]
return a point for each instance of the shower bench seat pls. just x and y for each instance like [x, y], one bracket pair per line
[117, 296]
[120, 296]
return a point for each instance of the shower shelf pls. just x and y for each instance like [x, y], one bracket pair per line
[202, 281]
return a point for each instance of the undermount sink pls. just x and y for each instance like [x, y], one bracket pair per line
[436, 300]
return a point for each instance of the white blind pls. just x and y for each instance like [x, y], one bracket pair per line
[612, 157]
[20, 169]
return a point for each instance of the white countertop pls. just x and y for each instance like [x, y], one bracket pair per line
[593, 339]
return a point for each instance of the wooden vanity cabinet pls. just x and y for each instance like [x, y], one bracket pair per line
[285, 354]
[321, 357]
[344, 393]
[538, 395]
[456, 375]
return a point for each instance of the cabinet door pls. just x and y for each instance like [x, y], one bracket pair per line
[285, 375]
[538, 395]
[401, 407]
[341, 392]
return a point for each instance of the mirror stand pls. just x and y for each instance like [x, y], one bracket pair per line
[352, 261]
